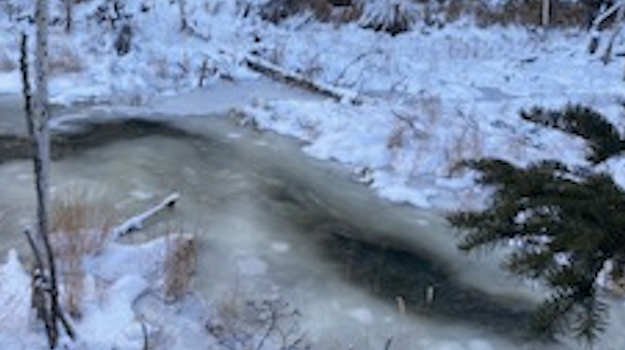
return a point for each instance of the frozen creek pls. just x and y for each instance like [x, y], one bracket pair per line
[271, 221]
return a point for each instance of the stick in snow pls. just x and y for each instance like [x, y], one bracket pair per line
[136, 222]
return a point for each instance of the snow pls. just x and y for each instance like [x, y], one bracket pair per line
[14, 295]
[123, 330]
[426, 99]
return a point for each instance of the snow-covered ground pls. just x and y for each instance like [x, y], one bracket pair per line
[428, 98]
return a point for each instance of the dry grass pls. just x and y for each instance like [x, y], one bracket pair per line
[80, 224]
[394, 18]
[398, 16]
[276, 11]
[525, 12]
[179, 265]
[468, 144]
[63, 60]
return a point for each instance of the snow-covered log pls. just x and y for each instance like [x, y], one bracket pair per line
[136, 222]
[268, 68]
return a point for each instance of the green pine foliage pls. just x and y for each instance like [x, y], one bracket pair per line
[602, 137]
[566, 224]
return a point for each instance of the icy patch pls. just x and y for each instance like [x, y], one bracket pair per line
[251, 266]
[141, 195]
[361, 315]
[280, 247]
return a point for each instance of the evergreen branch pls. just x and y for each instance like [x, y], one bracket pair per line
[603, 138]
[566, 223]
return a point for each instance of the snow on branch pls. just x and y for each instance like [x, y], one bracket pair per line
[136, 222]
[616, 9]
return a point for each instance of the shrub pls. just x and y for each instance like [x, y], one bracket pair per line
[276, 11]
[179, 265]
[80, 224]
[393, 17]
[261, 325]
[528, 12]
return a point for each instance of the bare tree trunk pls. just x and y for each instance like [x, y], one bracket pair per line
[37, 118]
[546, 13]
[38, 126]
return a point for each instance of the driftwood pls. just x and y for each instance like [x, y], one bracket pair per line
[276, 72]
[136, 222]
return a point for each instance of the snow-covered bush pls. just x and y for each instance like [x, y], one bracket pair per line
[276, 11]
[17, 10]
[110, 13]
[393, 17]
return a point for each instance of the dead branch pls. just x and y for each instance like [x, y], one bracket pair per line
[618, 9]
[136, 222]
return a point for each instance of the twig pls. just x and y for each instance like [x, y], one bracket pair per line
[353, 62]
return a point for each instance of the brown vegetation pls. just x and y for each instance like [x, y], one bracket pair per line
[6, 63]
[326, 10]
[80, 225]
[179, 265]
[64, 60]
[396, 17]
[525, 12]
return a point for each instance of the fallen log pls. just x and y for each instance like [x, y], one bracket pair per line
[274, 71]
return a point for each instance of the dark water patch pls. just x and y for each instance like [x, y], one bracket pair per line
[388, 268]
[13, 147]
[83, 136]
[87, 135]
[392, 272]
